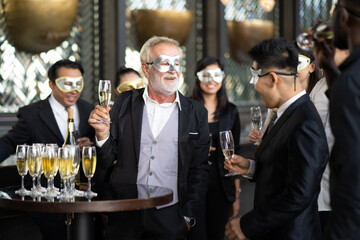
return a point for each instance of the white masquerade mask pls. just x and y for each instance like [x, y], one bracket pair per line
[69, 84]
[304, 62]
[165, 63]
[254, 76]
[215, 75]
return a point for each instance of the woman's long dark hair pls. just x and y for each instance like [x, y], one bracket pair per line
[316, 75]
[220, 95]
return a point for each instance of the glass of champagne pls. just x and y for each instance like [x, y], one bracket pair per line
[227, 146]
[89, 166]
[75, 155]
[40, 188]
[104, 96]
[49, 159]
[34, 164]
[22, 167]
[256, 119]
[65, 165]
[55, 167]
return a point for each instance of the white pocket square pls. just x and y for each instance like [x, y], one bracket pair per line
[193, 133]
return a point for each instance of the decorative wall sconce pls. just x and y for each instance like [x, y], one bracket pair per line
[243, 35]
[170, 23]
[36, 26]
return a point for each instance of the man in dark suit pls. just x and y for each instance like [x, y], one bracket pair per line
[45, 121]
[158, 137]
[344, 95]
[291, 157]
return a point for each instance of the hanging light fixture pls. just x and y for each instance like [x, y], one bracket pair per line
[267, 5]
[225, 2]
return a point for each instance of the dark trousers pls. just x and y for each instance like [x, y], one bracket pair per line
[215, 214]
[165, 223]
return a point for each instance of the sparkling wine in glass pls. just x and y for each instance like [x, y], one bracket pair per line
[55, 167]
[22, 167]
[256, 119]
[89, 167]
[40, 188]
[305, 40]
[227, 147]
[104, 96]
[34, 162]
[49, 159]
[65, 166]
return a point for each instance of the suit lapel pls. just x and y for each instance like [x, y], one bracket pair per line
[279, 123]
[137, 108]
[47, 116]
[184, 126]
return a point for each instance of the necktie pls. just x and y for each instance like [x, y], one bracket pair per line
[272, 121]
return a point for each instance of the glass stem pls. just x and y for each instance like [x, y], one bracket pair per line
[22, 182]
[49, 184]
[39, 181]
[89, 184]
[34, 185]
[52, 183]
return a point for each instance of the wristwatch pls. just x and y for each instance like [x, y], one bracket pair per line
[191, 221]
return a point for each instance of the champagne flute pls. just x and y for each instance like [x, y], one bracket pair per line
[227, 146]
[49, 158]
[55, 167]
[305, 41]
[22, 168]
[65, 165]
[41, 147]
[104, 96]
[89, 166]
[34, 164]
[256, 119]
[75, 155]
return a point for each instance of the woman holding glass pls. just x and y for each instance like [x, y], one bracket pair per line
[222, 198]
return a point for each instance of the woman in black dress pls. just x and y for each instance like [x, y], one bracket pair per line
[222, 199]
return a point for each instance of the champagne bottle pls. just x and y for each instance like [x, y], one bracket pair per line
[70, 135]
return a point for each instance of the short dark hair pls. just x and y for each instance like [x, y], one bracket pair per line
[122, 71]
[53, 70]
[220, 95]
[275, 52]
[316, 75]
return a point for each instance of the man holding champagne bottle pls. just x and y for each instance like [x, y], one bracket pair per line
[158, 137]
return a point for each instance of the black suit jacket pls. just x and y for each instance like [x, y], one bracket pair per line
[229, 121]
[124, 146]
[36, 124]
[344, 222]
[289, 164]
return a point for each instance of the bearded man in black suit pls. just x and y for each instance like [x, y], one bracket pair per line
[158, 137]
[291, 157]
[45, 121]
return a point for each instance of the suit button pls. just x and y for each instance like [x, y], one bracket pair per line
[154, 142]
[150, 173]
[152, 157]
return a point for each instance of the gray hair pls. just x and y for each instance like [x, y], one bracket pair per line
[155, 40]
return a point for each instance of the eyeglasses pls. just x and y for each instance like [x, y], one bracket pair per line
[337, 5]
[278, 73]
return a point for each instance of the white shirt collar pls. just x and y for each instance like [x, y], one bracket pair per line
[286, 104]
[55, 104]
[147, 98]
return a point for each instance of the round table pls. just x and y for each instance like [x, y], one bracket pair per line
[124, 197]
